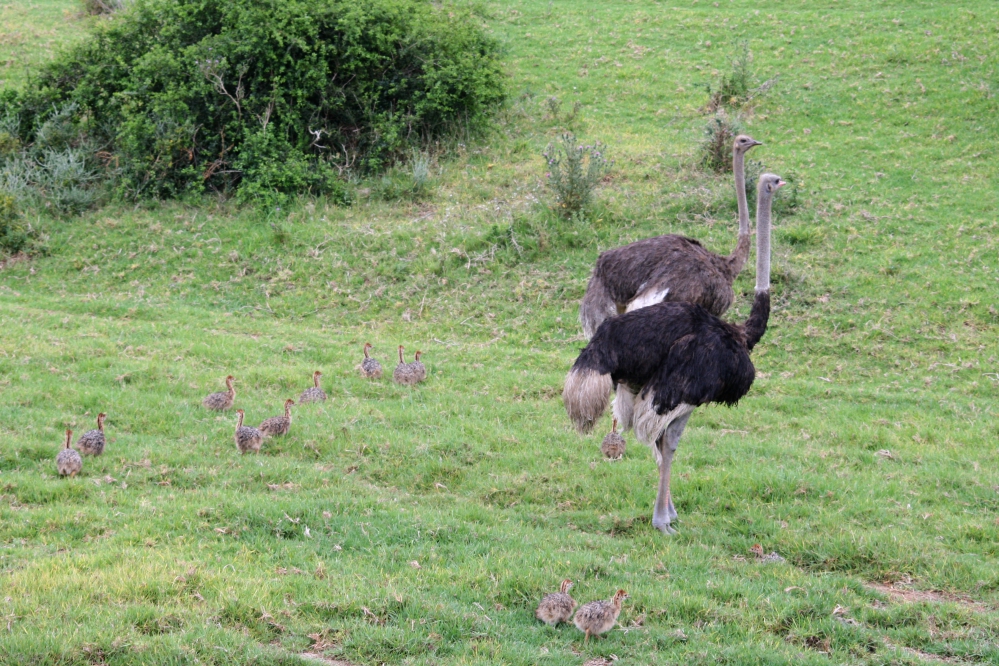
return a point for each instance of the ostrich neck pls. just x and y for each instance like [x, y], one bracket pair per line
[315, 380]
[739, 167]
[287, 411]
[400, 357]
[69, 438]
[763, 241]
[739, 257]
[239, 421]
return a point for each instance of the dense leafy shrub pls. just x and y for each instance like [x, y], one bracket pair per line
[268, 96]
[58, 169]
[15, 235]
[574, 170]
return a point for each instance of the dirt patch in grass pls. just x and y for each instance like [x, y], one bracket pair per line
[320, 659]
[922, 656]
[908, 595]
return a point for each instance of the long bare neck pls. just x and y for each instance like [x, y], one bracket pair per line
[740, 255]
[69, 438]
[239, 420]
[287, 410]
[400, 356]
[759, 315]
[100, 424]
[232, 389]
[763, 207]
[315, 380]
[366, 353]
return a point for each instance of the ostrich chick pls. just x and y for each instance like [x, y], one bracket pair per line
[278, 425]
[247, 438]
[404, 373]
[314, 394]
[419, 370]
[369, 367]
[69, 462]
[91, 443]
[599, 617]
[613, 445]
[557, 606]
[223, 400]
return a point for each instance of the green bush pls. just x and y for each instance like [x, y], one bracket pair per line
[574, 171]
[274, 96]
[15, 236]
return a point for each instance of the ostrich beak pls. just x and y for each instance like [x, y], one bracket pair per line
[781, 183]
[757, 143]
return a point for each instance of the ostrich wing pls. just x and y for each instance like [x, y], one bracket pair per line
[710, 366]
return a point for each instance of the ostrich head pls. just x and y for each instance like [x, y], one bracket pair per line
[69, 437]
[619, 596]
[229, 380]
[367, 348]
[565, 586]
[288, 403]
[769, 184]
[743, 143]
[315, 378]
[100, 421]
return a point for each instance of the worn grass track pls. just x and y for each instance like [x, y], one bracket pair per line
[421, 526]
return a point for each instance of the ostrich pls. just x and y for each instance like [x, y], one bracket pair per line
[69, 462]
[222, 401]
[557, 606]
[91, 443]
[669, 267]
[314, 393]
[675, 357]
[599, 617]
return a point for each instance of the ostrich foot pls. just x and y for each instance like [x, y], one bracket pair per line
[664, 527]
[671, 510]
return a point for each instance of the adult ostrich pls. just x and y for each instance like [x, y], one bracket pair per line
[669, 267]
[674, 357]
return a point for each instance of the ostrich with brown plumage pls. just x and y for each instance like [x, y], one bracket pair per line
[669, 267]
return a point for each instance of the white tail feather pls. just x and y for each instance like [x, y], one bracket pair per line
[624, 407]
[645, 299]
[586, 395]
[650, 425]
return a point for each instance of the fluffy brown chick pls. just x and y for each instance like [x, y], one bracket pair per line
[613, 445]
[419, 370]
[222, 401]
[370, 367]
[403, 373]
[599, 617]
[91, 443]
[278, 425]
[557, 606]
[247, 439]
[69, 462]
[314, 394]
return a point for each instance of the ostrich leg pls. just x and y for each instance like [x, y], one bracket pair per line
[664, 512]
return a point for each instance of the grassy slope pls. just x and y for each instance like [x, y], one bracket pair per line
[171, 548]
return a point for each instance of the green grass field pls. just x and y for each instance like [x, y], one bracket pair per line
[421, 526]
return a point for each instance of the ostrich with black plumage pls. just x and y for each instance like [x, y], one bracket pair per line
[673, 357]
